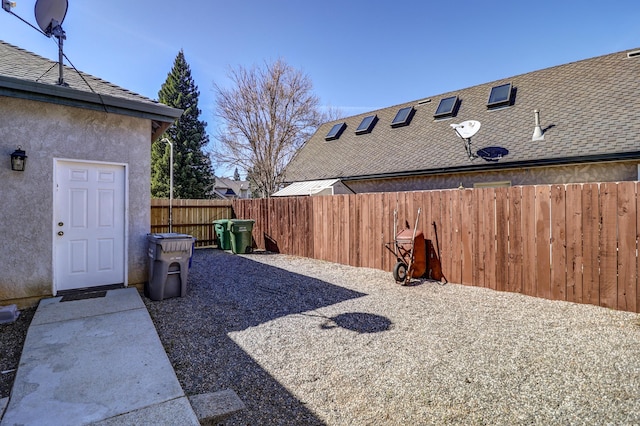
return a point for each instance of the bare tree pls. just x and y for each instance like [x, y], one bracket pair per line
[267, 115]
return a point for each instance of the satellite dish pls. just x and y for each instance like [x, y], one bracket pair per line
[50, 14]
[492, 153]
[466, 129]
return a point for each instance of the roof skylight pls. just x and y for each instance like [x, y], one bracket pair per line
[367, 124]
[500, 95]
[403, 117]
[335, 131]
[447, 107]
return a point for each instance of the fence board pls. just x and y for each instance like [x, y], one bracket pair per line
[608, 245]
[281, 217]
[573, 221]
[354, 230]
[529, 271]
[337, 228]
[456, 236]
[295, 212]
[502, 238]
[330, 231]
[445, 233]
[466, 240]
[423, 200]
[543, 246]
[365, 232]
[591, 241]
[346, 229]
[627, 232]
[327, 230]
[514, 273]
[316, 203]
[343, 248]
[558, 244]
[386, 258]
[479, 233]
[490, 237]
[436, 225]
[377, 229]
[264, 215]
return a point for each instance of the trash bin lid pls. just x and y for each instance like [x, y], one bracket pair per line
[240, 225]
[170, 242]
[167, 235]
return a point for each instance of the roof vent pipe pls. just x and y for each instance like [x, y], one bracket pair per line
[538, 135]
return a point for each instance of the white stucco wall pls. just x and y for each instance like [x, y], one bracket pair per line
[47, 131]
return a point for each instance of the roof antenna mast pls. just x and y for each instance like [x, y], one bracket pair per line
[50, 14]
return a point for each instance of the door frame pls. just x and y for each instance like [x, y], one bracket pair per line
[125, 264]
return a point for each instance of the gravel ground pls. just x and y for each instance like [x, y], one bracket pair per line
[307, 342]
[12, 337]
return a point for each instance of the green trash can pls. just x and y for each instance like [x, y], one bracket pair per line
[221, 227]
[240, 233]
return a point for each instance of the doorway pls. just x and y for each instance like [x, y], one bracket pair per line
[89, 224]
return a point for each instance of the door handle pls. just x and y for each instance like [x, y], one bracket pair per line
[60, 233]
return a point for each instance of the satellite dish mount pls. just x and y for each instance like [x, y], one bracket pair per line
[465, 131]
[50, 14]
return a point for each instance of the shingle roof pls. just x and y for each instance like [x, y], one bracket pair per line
[236, 186]
[589, 108]
[25, 74]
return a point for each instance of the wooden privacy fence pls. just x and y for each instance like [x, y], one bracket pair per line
[575, 242]
[193, 217]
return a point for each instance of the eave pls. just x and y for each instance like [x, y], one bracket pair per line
[162, 116]
[487, 167]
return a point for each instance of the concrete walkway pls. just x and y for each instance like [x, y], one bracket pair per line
[96, 361]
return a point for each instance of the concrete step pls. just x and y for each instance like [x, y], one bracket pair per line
[212, 408]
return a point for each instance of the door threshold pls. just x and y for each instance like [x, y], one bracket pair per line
[87, 292]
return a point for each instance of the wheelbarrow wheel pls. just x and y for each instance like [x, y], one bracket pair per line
[400, 272]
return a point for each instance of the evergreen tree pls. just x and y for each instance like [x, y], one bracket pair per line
[236, 175]
[192, 170]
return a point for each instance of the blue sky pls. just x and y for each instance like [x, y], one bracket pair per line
[360, 55]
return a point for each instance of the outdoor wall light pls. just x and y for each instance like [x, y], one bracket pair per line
[18, 159]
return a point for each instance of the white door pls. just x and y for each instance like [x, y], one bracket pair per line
[89, 225]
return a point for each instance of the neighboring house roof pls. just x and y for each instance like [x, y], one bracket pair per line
[589, 112]
[25, 75]
[229, 188]
[311, 187]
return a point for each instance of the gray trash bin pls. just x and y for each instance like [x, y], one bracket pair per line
[169, 256]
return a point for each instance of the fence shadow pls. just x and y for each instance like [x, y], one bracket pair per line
[228, 293]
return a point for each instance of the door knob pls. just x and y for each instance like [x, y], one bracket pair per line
[60, 224]
[60, 233]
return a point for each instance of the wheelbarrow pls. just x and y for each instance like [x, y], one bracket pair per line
[409, 250]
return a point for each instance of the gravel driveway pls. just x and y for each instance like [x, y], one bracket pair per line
[303, 341]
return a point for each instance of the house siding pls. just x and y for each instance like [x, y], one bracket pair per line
[580, 173]
[48, 131]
